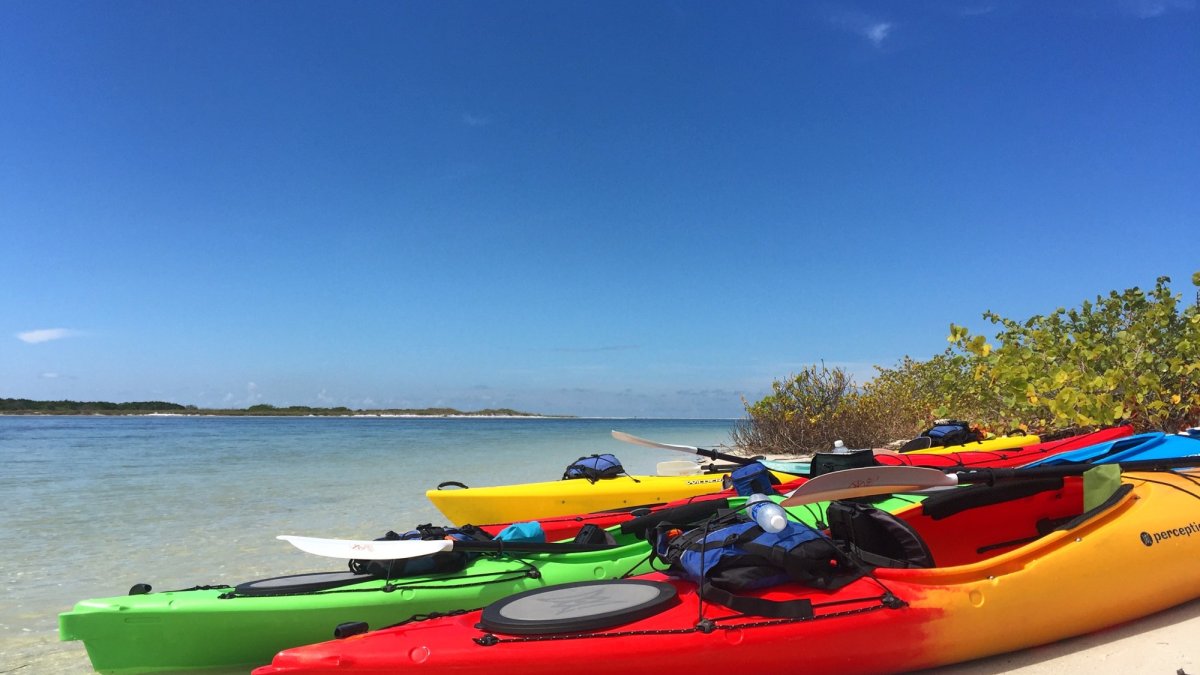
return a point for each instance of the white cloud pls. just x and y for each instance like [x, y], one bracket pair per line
[45, 335]
[979, 10]
[878, 32]
[873, 28]
[472, 120]
[49, 376]
[602, 348]
[1150, 9]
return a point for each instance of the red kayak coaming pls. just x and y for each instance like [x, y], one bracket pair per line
[997, 459]
[565, 527]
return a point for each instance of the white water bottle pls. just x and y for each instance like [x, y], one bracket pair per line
[839, 447]
[770, 516]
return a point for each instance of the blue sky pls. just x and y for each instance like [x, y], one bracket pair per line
[608, 208]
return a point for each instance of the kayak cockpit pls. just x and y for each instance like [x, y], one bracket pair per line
[968, 525]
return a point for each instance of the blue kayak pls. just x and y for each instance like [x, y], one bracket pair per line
[1154, 445]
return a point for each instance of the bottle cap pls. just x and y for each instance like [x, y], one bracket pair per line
[775, 522]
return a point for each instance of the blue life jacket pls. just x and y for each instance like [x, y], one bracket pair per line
[742, 557]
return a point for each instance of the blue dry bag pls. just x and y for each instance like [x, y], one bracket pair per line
[749, 479]
[595, 467]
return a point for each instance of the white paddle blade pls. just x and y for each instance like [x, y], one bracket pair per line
[357, 549]
[630, 438]
[867, 481]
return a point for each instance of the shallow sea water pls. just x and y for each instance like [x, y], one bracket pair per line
[93, 505]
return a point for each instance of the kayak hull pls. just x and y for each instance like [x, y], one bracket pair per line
[1132, 557]
[197, 629]
[531, 501]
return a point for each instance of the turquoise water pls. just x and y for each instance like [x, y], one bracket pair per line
[93, 505]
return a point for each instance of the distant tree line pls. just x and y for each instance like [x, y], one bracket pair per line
[24, 406]
[267, 409]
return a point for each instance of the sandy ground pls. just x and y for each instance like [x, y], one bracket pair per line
[1167, 643]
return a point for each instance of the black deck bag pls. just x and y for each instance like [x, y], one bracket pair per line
[828, 462]
[444, 561]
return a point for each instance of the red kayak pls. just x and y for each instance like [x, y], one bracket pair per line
[998, 459]
[565, 527]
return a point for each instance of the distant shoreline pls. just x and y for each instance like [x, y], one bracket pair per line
[21, 406]
[215, 413]
[530, 416]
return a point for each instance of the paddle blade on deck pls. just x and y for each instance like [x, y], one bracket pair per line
[357, 549]
[867, 481]
[703, 452]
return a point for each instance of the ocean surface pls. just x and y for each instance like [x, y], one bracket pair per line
[93, 505]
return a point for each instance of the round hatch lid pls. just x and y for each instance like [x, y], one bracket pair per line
[580, 606]
[301, 583]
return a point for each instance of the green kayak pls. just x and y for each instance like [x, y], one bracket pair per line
[244, 626]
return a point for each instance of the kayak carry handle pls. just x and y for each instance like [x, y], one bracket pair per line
[350, 628]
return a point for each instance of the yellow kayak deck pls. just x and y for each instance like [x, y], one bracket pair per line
[529, 501]
[989, 445]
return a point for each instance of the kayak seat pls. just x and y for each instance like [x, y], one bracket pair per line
[875, 537]
[591, 533]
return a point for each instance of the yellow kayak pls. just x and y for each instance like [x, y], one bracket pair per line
[991, 444]
[529, 501]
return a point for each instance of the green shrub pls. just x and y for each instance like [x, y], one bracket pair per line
[1130, 356]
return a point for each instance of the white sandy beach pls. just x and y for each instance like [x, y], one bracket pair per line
[1167, 643]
